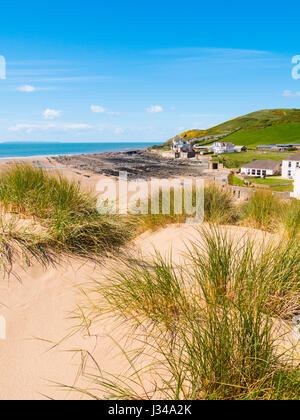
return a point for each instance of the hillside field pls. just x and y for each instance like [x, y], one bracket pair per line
[264, 127]
[283, 133]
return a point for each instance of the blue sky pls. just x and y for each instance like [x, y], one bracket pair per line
[141, 71]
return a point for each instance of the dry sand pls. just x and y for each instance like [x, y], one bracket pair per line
[41, 307]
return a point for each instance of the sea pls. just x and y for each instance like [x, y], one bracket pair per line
[26, 149]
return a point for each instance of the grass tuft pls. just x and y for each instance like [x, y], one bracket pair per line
[262, 210]
[212, 321]
[68, 214]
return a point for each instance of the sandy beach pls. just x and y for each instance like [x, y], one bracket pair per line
[43, 348]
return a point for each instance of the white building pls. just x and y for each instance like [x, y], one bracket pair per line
[261, 168]
[296, 193]
[222, 147]
[290, 166]
[178, 144]
[240, 149]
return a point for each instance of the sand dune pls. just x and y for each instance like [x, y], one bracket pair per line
[41, 306]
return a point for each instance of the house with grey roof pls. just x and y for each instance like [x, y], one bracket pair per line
[187, 151]
[222, 147]
[261, 168]
[290, 166]
[178, 143]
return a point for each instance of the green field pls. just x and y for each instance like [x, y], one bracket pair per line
[272, 182]
[236, 160]
[269, 181]
[269, 126]
[283, 133]
[234, 180]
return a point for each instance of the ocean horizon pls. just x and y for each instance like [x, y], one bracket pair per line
[31, 149]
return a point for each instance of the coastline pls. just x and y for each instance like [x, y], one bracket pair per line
[89, 169]
[84, 149]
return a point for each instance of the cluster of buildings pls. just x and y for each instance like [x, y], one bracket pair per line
[180, 146]
[289, 168]
[183, 149]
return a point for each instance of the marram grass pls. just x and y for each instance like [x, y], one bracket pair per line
[68, 214]
[208, 327]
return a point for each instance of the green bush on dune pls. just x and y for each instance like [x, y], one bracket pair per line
[206, 329]
[218, 208]
[69, 214]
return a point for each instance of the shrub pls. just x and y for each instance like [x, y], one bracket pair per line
[206, 326]
[69, 214]
[262, 210]
[218, 205]
[291, 217]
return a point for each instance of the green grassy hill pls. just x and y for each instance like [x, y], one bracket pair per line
[279, 133]
[261, 127]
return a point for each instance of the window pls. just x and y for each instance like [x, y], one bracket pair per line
[289, 173]
[258, 172]
[253, 171]
[297, 164]
[290, 164]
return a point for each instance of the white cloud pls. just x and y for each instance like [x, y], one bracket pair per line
[26, 88]
[154, 109]
[209, 57]
[98, 109]
[290, 94]
[207, 50]
[112, 113]
[119, 130]
[29, 128]
[51, 114]
[67, 127]
[201, 115]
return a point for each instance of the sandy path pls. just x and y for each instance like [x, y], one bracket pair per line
[40, 307]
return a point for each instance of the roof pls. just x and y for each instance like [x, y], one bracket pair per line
[187, 148]
[295, 156]
[262, 164]
[270, 146]
[223, 143]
